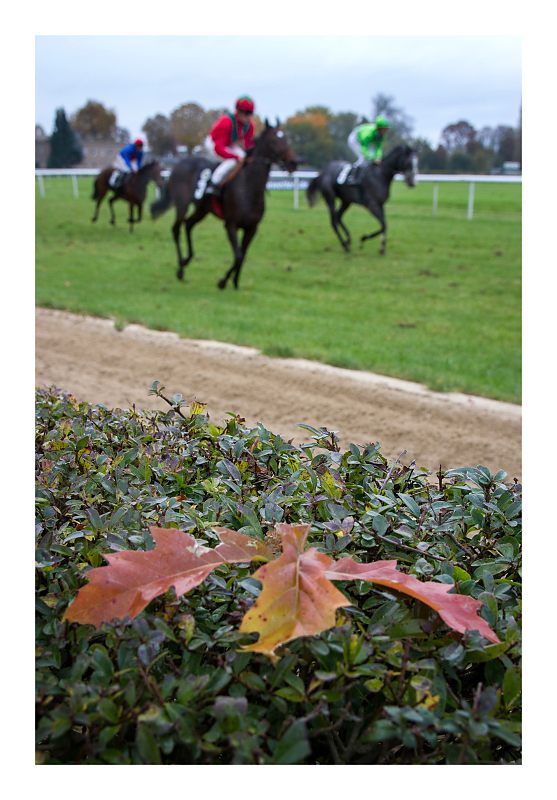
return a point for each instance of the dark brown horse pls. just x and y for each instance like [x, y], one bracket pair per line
[371, 189]
[133, 189]
[241, 205]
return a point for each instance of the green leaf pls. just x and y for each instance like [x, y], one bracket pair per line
[294, 745]
[103, 664]
[512, 686]
[487, 654]
[60, 726]
[288, 693]
[379, 524]
[410, 504]
[96, 521]
[460, 574]
[109, 710]
[147, 746]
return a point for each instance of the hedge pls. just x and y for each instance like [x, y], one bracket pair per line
[389, 684]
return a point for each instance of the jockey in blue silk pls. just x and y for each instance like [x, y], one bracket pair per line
[129, 159]
[132, 152]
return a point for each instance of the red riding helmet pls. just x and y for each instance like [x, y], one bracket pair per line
[138, 143]
[245, 103]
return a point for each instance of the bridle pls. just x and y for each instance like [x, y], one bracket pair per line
[267, 159]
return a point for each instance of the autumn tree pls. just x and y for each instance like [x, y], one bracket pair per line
[213, 114]
[94, 121]
[308, 133]
[458, 136]
[65, 145]
[340, 126]
[190, 124]
[158, 130]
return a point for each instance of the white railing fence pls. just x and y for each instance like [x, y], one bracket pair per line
[299, 180]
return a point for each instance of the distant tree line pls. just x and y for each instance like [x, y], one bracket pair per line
[317, 134]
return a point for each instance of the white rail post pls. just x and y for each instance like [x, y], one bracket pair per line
[296, 192]
[471, 201]
[75, 187]
[41, 185]
[435, 198]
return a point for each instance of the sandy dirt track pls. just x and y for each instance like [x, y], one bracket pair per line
[91, 359]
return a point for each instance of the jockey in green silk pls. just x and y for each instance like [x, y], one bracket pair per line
[366, 140]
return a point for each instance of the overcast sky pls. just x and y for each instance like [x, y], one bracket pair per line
[436, 80]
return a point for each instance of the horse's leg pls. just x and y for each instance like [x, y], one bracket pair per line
[344, 205]
[249, 233]
[239, 253]
[378, 212]
[131, 219]
[97, 206]
[111, 204]
[180, 213]
[232, 232]
[101, 194]
[200, 212]
[330, 200]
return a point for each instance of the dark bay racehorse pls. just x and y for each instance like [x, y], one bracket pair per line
[241, 205]
[371, 190]
[133, 189]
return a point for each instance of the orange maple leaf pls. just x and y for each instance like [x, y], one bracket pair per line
[298, 598]
[134, 577]
[458, 611]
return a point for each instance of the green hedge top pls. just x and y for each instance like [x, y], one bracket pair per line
[390, 683]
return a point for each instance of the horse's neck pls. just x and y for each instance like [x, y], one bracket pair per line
[389, 171]
[257, 173]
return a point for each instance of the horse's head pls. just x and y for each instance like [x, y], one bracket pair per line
[153, 170]
[409, 166]
[273, 144]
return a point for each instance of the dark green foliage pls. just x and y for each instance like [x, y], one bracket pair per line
[65, 146]
[389, 684]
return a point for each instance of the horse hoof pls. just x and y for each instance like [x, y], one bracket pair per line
[180, 274]
[222, 284]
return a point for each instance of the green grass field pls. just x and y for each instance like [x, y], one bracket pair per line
[443, 307]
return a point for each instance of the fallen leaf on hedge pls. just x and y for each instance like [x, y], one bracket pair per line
[296, 599]
[458, 611]
[134, 578]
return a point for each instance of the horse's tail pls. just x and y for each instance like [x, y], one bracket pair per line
[313, 188]
[95, 195]
[162, 204]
